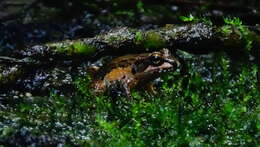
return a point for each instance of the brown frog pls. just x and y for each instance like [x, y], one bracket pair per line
[135, 70]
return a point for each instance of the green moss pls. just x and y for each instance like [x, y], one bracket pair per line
[140, 6]
[196, 19]
[233, 21]
[60, 47]
[6, 132]
[129, 13]
[153, 40]
[71, 48]
[220, 107]
[113, 39]
[226, 30]
[82, 48]
[243, 32]
[189, 18]
[138, 38]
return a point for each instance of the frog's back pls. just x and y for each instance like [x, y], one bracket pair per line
[119, 62]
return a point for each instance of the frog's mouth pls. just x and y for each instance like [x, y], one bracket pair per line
[167, 66]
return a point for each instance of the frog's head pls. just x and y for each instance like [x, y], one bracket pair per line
[155, 63]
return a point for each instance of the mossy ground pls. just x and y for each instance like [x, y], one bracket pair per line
[218, 103]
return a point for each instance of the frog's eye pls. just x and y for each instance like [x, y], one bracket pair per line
[156, 60]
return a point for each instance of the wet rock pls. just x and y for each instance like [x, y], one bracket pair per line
[46, 80]
[8, 74]
[24, 137]
[36, 51]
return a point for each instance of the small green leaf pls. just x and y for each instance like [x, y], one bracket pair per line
[189, 18]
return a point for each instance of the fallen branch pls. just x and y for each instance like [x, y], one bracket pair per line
[198, 38]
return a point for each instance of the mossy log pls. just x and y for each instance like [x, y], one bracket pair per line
[194, 38]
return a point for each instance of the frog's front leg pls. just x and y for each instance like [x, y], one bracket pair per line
[128, 84]
[127, 92]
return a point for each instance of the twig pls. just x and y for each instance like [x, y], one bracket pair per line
[5, 59]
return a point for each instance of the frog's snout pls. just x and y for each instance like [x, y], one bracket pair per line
[173, 62]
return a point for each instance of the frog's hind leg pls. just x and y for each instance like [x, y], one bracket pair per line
[150, 88]
[120, 89]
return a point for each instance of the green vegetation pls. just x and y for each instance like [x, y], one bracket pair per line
[68, 47]
[81, 48]
[243, 32]
[140, 6]
[189, 18]
[138, 38]
[192, 18]
[210, 106]
[153, 40]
